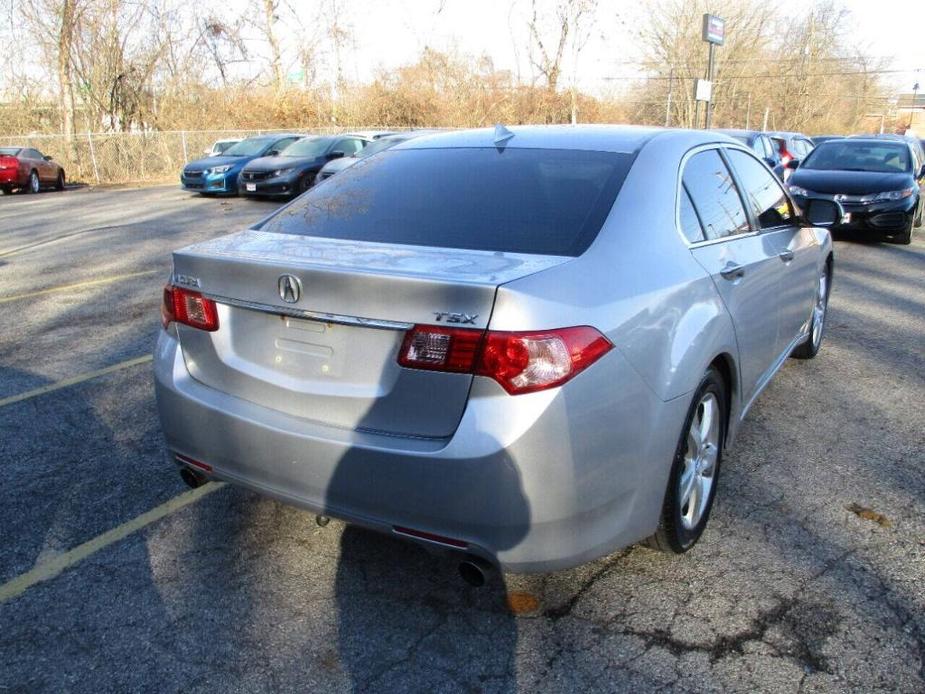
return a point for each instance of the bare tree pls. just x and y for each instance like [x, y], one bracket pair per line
[270, 17]
[551, 32]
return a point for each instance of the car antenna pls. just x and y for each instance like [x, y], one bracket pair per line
[502, 135]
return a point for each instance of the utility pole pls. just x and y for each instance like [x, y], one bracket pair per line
[764, 125]
[915, 93]
[668, 101]
[748, 112]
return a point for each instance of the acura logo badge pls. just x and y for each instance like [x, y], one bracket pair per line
[290, 288]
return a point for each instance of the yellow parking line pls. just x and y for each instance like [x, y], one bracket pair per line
[74, 380]
[78, 285]
[56, 565]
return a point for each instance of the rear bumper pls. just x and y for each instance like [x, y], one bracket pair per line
[535, 482]
[10, 178]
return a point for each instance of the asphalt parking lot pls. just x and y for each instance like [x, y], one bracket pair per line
[811, 574]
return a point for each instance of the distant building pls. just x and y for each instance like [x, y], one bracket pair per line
[911, 109]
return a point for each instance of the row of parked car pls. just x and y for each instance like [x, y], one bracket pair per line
[876, 178]
[282, 165]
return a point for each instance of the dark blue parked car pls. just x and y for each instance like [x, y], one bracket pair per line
[219, 175]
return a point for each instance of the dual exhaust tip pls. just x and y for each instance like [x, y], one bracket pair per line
[472, 569]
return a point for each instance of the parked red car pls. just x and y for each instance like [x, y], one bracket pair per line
[29, 170]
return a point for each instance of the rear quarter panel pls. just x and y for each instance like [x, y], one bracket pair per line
[638, 283]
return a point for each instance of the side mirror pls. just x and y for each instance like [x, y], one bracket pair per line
[47, 157]
[337, 154]
[272, 153]
[823, 213]
[793, 164]
[770, 162]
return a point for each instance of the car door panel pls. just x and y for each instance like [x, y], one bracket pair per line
[794, 247]
[743, 265]
[746, 275]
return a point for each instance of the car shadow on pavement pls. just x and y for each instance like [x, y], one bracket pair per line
[406, 621]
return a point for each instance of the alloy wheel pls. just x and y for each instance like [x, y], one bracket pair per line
[698, 474]
[819, 309]
[34, 182]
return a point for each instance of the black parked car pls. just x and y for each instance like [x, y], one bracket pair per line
[762, 145]
[293, 170]
[878, 182]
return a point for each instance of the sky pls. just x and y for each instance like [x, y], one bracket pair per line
[389, 33]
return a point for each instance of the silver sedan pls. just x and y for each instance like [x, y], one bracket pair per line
[528, 346]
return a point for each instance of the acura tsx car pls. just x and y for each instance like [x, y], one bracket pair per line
[529, 346]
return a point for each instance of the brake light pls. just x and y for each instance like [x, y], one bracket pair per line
[190, 308]
[522, 362]
[9, 162]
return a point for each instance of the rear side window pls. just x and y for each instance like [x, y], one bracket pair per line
[763, 193]
[714, 195]
[690, 222]
[545, 201]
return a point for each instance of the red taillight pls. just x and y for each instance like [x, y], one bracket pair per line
[8, 162]
[522, 362]
[190, 308]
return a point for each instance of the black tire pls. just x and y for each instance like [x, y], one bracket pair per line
[920, 212]
[810, 348]
[59, 182]
[905, 238]
[7, 190]
[304, 184]
[672, 536]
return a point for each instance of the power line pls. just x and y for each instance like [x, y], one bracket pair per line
[864, 73]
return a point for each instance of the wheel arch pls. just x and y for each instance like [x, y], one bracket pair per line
[725, 364]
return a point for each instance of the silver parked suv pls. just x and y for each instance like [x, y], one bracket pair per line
[531, 346]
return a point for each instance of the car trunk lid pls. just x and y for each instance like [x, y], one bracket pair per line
[331, 354]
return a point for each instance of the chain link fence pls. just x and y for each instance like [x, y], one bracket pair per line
[139, 157]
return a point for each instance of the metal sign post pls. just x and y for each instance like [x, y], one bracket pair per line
[714, 33]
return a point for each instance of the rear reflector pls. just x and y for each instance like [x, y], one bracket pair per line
[194, 463]
[522, 362]
[190, 308]
[421, 535]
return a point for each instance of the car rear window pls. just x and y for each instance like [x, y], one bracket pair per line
[9, 151]
[545, 201]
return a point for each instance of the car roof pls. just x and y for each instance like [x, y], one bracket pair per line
[274, 136]
[369, 134]
[739, 131]
[603, 138]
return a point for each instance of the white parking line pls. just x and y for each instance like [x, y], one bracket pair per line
[74, 380]
[56, 565]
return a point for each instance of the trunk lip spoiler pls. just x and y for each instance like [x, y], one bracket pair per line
[318, 316]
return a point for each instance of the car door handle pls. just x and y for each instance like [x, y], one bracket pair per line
[732, 271]
[786, 256]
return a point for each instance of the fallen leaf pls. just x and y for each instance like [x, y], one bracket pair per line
[522, 603]
[870, 514]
